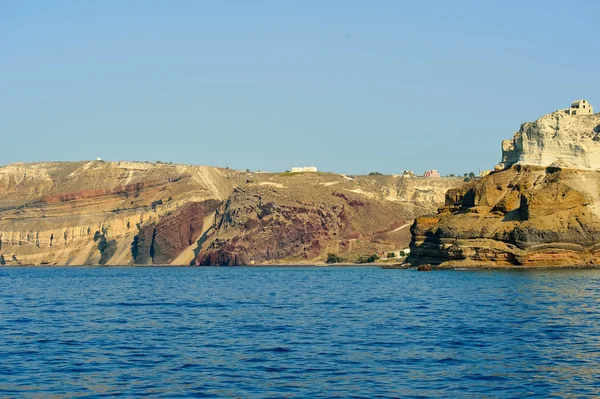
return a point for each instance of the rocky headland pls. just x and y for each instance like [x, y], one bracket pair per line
[540, 207]
[140, 213]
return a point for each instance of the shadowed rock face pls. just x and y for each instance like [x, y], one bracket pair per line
[533, 213]
[125, 213]
[161, 242]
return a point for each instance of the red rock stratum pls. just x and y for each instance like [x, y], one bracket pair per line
[136, 213]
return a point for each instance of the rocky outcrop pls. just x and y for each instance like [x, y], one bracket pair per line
[557, 139]
[161, 242]
[301, 218]
[139, 213]
[76, 213]
[531, 212]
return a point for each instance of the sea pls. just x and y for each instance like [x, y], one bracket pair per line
[298, 332]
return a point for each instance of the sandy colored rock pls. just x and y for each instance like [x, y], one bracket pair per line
[557, 139]
[532, 211]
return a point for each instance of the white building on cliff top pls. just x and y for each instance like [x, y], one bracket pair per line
[300, 169]
[580, 107]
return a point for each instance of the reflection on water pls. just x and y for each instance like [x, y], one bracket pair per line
[298, 332]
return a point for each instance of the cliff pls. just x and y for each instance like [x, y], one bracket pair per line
[302, 217]
[556, 139]
[78, 213]
[126, 213]
[541, 207]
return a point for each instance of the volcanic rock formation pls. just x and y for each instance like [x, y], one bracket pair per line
[556, 139]
[114, 213]
[140, 213]
[541, 207]
[302, 217]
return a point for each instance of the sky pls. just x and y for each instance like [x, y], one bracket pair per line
[347, 86]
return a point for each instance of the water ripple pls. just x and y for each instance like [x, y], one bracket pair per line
[298, 332]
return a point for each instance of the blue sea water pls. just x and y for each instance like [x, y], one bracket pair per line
[298, 333]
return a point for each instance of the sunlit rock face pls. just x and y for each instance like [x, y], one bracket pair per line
[142, 213]
[556, 139]
[303, 217]
[107, 213]
[541, 207]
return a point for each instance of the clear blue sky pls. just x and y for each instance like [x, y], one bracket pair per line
[348, 86]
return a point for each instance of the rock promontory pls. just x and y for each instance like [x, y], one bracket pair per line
[541, 207]
[564, 138]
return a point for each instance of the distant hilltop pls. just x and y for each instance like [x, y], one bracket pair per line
[567, 138]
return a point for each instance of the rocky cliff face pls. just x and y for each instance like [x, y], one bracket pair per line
[125, 213]
[302, 217]
[78, 213]
[556, 139]
[540, 208]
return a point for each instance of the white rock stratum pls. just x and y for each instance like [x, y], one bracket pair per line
[556, 139]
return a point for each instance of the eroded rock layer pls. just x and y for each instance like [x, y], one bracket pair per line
[541, 207]
[556, 139]
[524, 215]
[126, 213]
[302, 217]
[77, 213]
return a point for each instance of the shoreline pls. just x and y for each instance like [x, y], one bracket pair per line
[498, 267]
[380, 265]
[324, 265]
[537, 267]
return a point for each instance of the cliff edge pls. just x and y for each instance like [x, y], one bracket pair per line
[558, 139]
[541, 207]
